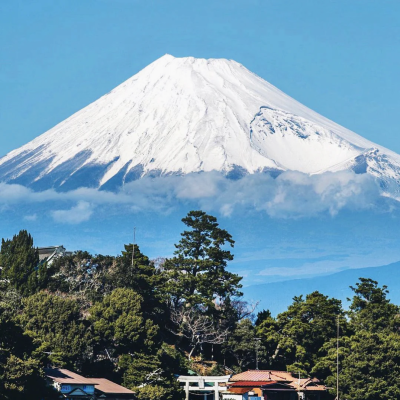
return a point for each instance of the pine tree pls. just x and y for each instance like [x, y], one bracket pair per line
[197, 274]
[371, 309]
[299, 333]
[19, 261]
[135, 272]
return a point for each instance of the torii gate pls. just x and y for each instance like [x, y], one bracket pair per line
[204, 384]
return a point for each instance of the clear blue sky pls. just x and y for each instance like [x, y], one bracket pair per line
[341, 58]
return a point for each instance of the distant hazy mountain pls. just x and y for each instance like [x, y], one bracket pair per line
[278, 295]
[185, 115]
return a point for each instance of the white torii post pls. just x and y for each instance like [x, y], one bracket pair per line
[198, 383]
[187, 390]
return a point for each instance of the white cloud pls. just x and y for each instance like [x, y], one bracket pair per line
[293, 194]
[307, 269]
[75, 215]
[32, 217]
[290, 195]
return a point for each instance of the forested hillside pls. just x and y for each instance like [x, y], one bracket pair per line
[138, 321]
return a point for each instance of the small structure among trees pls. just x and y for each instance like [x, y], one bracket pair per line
[71, 385]
[51, 253]
[273, 385]
[208, 387]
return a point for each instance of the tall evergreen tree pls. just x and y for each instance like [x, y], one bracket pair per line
[301, 331]
[369, 366]
[371, 309]
[197, 275]
[135, 271]
[19, 261]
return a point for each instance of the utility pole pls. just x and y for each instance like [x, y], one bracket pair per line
[257, 344]
[337, 360]
[133, 245]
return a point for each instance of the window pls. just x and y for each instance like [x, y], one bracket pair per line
[88, 388]
[65, 388]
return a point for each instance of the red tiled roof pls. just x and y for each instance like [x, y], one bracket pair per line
[251, 383]
[258, 378]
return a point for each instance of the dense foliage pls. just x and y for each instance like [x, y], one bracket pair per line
[19, 263]
[138, 322]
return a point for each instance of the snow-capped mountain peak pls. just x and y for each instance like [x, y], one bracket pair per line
[185, 115]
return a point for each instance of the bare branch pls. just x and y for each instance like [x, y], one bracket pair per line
[197, 328]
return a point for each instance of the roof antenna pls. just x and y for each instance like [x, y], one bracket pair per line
[337, 360]
[257, 340]
[133, 245]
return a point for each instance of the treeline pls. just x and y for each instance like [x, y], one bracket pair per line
[138, 322]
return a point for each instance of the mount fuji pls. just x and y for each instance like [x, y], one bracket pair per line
[185, 115]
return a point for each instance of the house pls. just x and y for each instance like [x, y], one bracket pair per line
[74, 386]
[272, 385]
[51, 253]
[203, 387]
[105, 389]
[69, 384]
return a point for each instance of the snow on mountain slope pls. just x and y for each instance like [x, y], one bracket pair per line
[295, 143]
[183, 115]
